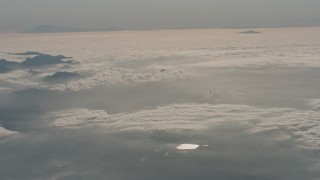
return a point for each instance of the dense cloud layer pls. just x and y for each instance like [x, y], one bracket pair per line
[315, 104]
[92, 76]
[123, 106]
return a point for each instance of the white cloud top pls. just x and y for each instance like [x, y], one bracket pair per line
[4, 132]
[302, 125]
[180, 52]
[314, 104]
[126, 76]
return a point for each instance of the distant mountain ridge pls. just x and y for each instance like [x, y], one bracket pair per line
[250, 32]
[60, 29]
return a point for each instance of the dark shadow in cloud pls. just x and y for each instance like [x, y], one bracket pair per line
[20, 119]
[19, 110]
[113, 99]
[41, 100]
[250, 32]
[61, 77]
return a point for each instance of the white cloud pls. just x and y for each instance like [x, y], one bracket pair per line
[105, 61]
[17, 80]
[314, 103]
[93, 73]
[126, 76]
[302, 125]
[4, 132]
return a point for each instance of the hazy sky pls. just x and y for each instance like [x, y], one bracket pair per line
[17, 15]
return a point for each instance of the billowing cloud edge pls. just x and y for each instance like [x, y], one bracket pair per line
[302, 125]
[5, 133]
[314, 104]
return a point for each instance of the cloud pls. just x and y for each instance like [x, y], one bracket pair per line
[167, 118]
[302, 125]
[100, 154]
[132, 105]
[112, 76]
[314, 104]
[4, 132]
[17, 80]
[17, 75]
[92, 75]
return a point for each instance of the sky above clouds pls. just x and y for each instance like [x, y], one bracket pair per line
[18, 15]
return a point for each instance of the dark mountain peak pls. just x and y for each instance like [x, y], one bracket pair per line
[61, 77]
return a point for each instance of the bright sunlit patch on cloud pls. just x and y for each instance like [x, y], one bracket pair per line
[187, 146]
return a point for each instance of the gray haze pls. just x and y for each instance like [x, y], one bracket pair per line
[19, 15]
